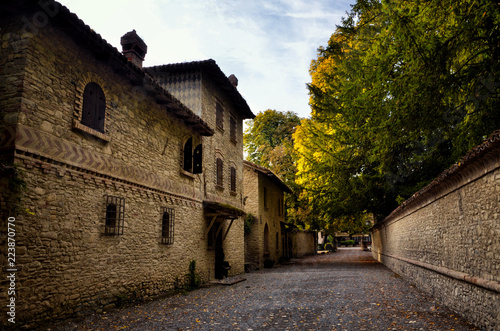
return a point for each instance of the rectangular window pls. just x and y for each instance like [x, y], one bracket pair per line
[265, 197]
[115, 215]
[219, 116]
[233, 179]
[232, 129]
[220, 171]
[167, 225]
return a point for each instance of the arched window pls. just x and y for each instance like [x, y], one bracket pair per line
[94, 107]
[193, 158]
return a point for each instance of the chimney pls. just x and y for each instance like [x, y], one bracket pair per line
[233, 80]
[134, 48]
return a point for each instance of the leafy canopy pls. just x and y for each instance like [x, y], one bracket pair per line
[402, 91]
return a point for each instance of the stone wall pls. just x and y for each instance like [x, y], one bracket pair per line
[266, 214]
[66, 264]
[446, 238]
[304, 243]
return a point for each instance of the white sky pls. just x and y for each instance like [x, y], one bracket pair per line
[267, 44]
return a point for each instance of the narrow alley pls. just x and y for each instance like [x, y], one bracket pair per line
[345, 290]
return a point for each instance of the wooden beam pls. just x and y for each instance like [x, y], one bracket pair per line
[205, 235]
[228, 228]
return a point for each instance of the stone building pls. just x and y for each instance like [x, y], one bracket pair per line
[114, 177]
[268, 236]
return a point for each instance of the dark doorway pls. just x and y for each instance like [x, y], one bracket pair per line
[220, 271]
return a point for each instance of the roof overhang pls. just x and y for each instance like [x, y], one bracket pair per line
[214, 208]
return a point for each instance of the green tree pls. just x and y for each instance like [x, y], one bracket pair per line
[268, 142]
[403, 89]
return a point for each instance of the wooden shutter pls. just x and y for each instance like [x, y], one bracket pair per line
[219, 116]
[232, 129]
[94, 107]
[233, 179]
[220, 168]
[198, 160]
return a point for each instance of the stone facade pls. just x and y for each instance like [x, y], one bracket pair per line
[67, 260]
[268, 237]
[446, 238]
[304, 243]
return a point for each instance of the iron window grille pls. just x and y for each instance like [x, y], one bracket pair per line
[115, 215]
[167, 225]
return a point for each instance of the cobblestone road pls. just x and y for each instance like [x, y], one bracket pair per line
[346, 290]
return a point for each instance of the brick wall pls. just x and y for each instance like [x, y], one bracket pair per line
[446, 239]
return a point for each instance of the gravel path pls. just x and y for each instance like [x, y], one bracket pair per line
[346, 290]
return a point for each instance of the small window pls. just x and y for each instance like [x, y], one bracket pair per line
[232, 129]
[220, 170]
[233, 179]
[115, 215]
[167, 226]
[94, 107]
[219, 116]
[265, 197]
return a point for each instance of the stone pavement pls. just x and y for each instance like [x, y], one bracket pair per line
[345, 290]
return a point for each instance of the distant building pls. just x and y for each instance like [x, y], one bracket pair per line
[266, 237]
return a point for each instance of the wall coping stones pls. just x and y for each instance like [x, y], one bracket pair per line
[478, 162]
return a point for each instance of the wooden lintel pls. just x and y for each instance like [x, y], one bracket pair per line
[205, 235]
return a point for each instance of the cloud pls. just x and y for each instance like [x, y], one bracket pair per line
[267, 44]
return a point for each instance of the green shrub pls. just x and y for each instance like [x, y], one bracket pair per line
[193, 276]
[347, 242]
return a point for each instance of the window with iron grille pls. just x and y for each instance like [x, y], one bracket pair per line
[115, 215]
[167, 225]
[219, 116]
[233, 179]
[94, 107]
[220, 171]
